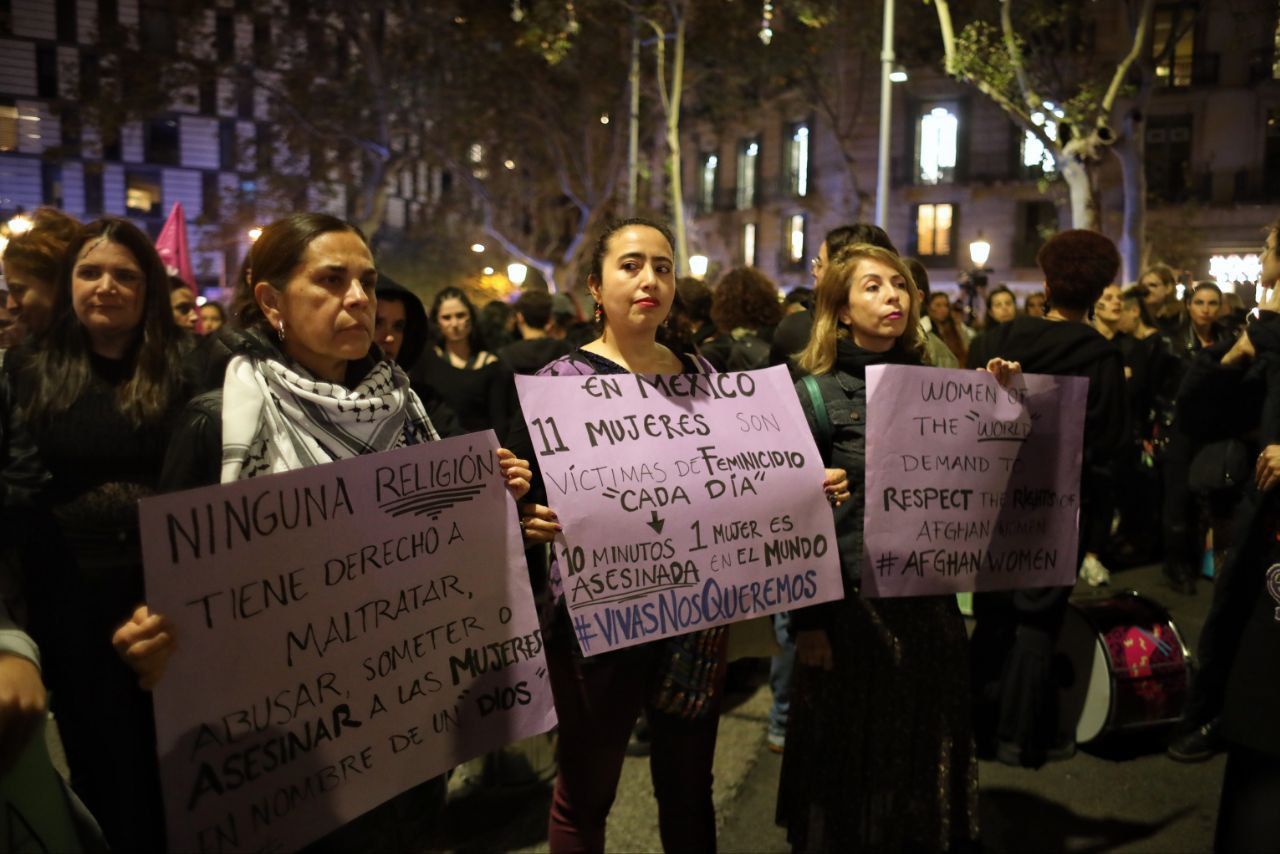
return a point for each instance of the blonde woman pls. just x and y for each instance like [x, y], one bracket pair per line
[879, 749]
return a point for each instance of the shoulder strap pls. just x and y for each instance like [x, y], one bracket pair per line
[820, 416]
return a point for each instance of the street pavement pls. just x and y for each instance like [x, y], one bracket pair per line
[1121, 795]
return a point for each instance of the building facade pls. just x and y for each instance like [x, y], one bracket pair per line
[765, 191]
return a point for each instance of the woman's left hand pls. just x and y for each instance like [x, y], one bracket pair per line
[836, 486]
[145, 643]
[1267, 471]
[516, 471]
[1004, 371]
[538, 523]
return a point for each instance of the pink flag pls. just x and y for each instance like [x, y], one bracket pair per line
[172, 246]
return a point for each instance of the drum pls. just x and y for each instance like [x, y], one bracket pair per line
[1126, 666]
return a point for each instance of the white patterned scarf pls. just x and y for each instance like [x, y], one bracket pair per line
[276, 418]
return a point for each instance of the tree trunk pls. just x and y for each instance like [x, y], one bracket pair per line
[1083, 190]
[1133, 236]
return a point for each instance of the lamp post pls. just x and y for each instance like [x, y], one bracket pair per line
[976, 285]
[886, 114]
[516, 273]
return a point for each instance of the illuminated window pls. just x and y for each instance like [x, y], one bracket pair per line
[937, 135]
[748, 164]
[707, 183]
[934, 229]
[476, 155]
[1226, 270]
[1177, 67]
[1270, 157]
[749, 244]
[798, 159]
[8, 128]
[142, 193]
[795, 239]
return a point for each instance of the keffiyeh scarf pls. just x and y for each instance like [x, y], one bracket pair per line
[276, 418]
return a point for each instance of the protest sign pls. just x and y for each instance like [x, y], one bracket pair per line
[343, 632]
[970, 486]
[687, 501]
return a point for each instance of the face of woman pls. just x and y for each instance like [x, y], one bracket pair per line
[454, 320]
[1107, 308]
[1003, 307]
[1035, 305]
[638, 279]
[877, 306]
[819, 264]
[939, 308]
[388, 329]
[1270, 262]
[30, 298]
[1130, 316]
[210, 318]
[1204, 308]
[184, 308]
[107, 291]
[328, 305]
[1157, 291]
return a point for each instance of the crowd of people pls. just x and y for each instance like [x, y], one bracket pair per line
[116, 385]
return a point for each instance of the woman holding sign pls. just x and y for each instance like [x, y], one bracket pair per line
[678, 680]
[302, 385]
[879, 749]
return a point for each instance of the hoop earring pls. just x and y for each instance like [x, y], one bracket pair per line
[280, 330]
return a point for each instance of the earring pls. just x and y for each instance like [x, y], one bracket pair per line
[599, 312]
[280, 330]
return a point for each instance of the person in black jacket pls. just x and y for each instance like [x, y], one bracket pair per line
[879, 751]
[401, 332]
[1013, 641]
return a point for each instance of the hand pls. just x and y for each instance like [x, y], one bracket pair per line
[813, 649]
[1242, 352]
[538, 523]
[836, 486]
[516, 471]
[145, 643]
[1267, 471]
[22, 706]
[1004, 371]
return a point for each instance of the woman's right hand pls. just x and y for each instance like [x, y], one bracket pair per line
[145, 643]
[1242, 353]
[813, 649]
[22, 706]
[835, 484]
[538, 523]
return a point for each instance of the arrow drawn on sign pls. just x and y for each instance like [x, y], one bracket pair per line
[654, 522]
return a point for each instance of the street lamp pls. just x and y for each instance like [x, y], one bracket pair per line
[517, 272]
[979, 251]
[697, 266]
[19, 224]
[255, 233]
[898, 75]
[477, 248]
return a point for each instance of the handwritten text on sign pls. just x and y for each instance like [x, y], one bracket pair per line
[687, 501]
[344, 632]
[970, 486]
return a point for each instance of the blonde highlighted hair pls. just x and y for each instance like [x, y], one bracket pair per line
[832, 294]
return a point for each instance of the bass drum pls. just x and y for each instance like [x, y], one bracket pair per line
[1126, 666]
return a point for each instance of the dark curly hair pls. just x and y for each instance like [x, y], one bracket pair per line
[745, 297]
[1078, 265]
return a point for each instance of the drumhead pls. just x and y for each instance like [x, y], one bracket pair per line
[1085, 698]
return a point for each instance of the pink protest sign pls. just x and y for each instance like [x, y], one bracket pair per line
[970, 486]
[687, 501]
[344, 632]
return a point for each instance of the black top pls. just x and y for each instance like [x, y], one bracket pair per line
[528, 356]
[477, 395]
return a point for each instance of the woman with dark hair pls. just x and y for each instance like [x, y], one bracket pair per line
[31, 265]
[1015, 702]
[468, 378]
[1204, 304]
[745, 310]
[944, 326]
[856, 775]
[1002, 307]
[183, 301]
[1033, 305]
[677, 681]
[99, 392]
[302, 385]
